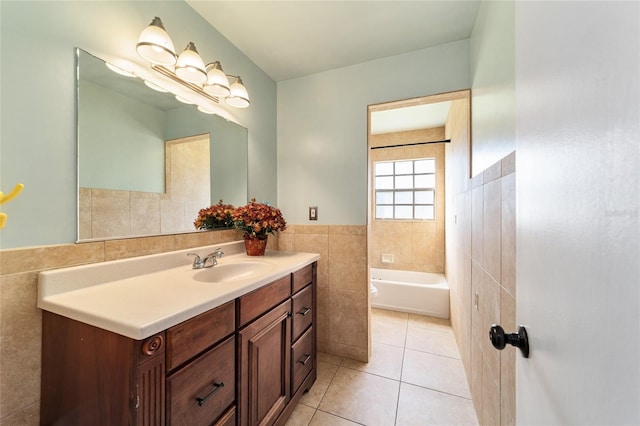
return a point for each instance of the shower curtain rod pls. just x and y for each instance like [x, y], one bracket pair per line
[411, 144]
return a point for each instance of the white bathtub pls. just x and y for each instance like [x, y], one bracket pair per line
[414, 292]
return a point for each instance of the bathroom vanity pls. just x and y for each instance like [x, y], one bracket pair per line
[243, 353]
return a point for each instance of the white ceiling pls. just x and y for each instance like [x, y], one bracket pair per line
[410, 118]
[290, 39]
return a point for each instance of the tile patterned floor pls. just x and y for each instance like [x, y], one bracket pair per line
[414, 378]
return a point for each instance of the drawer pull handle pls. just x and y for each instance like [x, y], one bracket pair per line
[305, 311]
[306, 359]
[217, 387]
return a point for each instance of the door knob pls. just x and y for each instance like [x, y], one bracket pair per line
[499, 339]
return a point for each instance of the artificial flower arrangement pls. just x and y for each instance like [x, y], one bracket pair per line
[257, 220]
[215, 216]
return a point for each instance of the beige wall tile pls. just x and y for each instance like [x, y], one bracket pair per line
[145, 213]
[508, 164]
[348, 229]
[122, 249]
[172, 217]
[508, 250]
[348, 351]
[286, 242]
[48, 257]
[347, 276]
[84, 213]
[109, 213]
[491, 230]
[28, 416]
[477, 223]
[348, 322]
[508, 361]
[204, 238]
[312, 229]
[20, 342]
[492, 173]
[348, 248]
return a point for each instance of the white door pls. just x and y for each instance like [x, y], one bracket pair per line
[578, 198]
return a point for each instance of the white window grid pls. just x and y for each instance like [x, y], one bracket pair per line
[405, 189]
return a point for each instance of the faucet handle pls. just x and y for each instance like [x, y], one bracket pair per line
[197, 262]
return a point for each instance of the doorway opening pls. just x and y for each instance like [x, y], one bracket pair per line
[407, 143]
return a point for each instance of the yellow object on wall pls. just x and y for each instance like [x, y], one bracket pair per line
[5, 198]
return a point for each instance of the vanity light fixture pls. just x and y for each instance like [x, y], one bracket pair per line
[188, 69]
[238, 96]
[155, 45]
[217, 81]
[190, 66]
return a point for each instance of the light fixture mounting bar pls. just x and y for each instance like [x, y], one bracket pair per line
[170, 74]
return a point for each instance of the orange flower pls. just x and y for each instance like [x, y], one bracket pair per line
[258, 219]
[215, 216]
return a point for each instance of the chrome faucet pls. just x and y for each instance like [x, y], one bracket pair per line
[212, 259]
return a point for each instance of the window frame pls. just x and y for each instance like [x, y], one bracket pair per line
[395, 190]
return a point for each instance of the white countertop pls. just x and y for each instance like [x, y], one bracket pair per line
[141, 296]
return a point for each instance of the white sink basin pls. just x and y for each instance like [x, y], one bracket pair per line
[228, 272]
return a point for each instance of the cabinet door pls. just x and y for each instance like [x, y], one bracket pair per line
[199, 393]
[265, 365]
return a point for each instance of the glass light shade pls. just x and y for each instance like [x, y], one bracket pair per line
[119, 70]
[155, 86]
[239, 97]
[217, 82]
[205, 110]
[155, 45]
[184, 100]
[190, 66]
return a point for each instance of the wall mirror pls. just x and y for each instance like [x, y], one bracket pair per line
[147, 162]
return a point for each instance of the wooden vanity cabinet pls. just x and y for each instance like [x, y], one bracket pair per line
[91, 376]
[246, 362]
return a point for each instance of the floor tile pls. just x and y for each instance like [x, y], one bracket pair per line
[329, 358]
[389, 316]
[321, 418]
[435, 372]
[420, 406]
[390, 333]
[326, 372]
[386, 361]
[422, 321]
[361, 397]
[313, 397]
[301, 416]
[432, 341]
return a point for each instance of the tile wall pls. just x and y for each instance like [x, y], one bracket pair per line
[343, 290]
[480, 269]
[415, 245]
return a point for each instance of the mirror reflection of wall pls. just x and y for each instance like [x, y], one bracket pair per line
[128, 185]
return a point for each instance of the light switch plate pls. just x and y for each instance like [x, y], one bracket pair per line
[313, 213]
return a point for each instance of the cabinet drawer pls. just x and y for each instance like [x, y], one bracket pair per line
[302, 311]
[228, 418]
[191, 337]
[302, 277]
[302, 359]
[200, 392]
[256, 303]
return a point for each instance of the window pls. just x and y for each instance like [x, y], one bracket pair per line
[405, 189]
